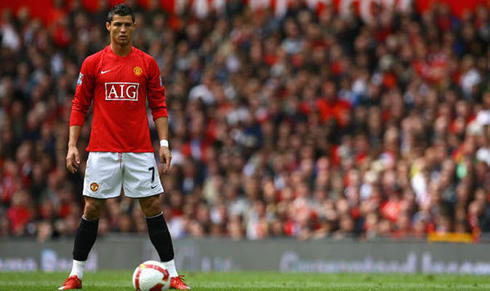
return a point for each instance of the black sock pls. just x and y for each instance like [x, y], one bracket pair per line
[85, 239]
[160, 237]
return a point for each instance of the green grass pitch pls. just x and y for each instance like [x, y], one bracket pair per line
[248, 281]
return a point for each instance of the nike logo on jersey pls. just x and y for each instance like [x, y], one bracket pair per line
[153, 187]
[103, 72]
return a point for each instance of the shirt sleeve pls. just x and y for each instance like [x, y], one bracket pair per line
[156, 91]
[83, 95]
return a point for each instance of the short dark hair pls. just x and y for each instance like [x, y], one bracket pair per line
[120, 9]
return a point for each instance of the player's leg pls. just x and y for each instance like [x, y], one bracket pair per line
[158, 231]
[142, 181]
[161, 239]
[84, 241]
[103, 176]
[86, 234]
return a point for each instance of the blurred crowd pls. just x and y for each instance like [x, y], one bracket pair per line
[308, 125]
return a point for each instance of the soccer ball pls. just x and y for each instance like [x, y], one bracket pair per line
[151, 276]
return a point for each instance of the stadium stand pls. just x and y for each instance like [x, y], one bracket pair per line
[300, 121]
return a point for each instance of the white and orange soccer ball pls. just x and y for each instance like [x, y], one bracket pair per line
[151, 276]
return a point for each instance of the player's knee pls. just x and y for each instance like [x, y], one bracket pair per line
[151, 207]
[92, 210]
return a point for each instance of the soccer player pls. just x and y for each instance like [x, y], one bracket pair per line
[119, 80]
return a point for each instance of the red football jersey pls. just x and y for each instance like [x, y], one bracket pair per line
[119, 87]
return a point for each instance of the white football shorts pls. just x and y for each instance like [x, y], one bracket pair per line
[107, 173]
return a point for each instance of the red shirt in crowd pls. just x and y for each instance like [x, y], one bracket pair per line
[118, 87]
[335, 109]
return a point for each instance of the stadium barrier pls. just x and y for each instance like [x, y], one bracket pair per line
[288, 255]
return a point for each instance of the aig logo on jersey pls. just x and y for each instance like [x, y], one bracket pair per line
[121, 91]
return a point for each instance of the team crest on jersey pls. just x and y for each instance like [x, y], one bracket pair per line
[121, 91]
[137, 70]
[94, 187]
[80, 77]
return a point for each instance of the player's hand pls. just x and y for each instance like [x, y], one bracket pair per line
[165, 157]
[72, 159]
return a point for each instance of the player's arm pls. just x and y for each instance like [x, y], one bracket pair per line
[73, 157]
[161, 125]
[158, 106]
[80, 106]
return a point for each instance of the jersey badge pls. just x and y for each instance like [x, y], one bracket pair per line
[137, 70]
[94, 187]
[79, 81]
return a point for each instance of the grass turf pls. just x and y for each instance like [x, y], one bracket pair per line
[248, 281]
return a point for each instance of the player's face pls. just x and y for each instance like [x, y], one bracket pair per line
[121, 29]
